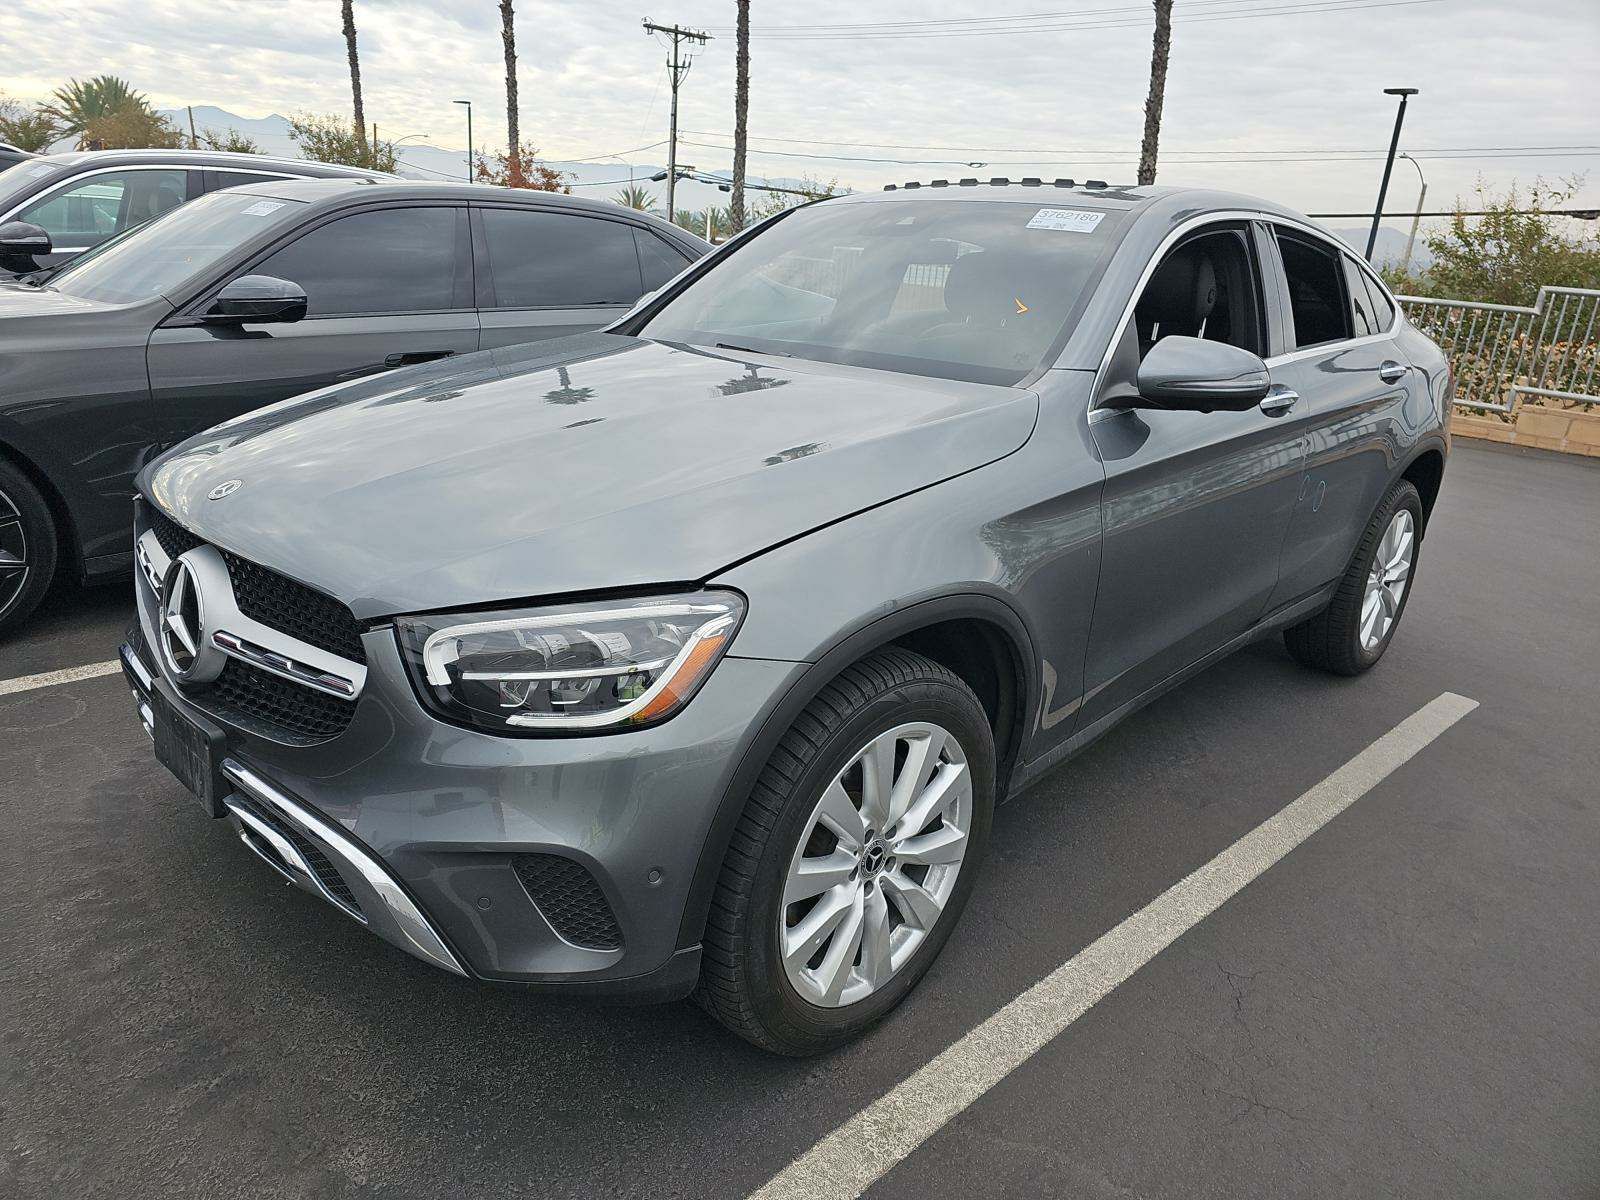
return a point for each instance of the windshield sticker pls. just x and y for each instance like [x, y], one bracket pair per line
[263, 208]
[1073, 220]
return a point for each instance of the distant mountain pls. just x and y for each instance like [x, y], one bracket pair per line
[600, 181]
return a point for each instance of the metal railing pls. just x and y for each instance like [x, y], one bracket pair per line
[1503, 352]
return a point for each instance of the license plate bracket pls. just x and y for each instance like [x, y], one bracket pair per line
[192, 750]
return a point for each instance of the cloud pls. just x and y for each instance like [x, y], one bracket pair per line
[1492, 74]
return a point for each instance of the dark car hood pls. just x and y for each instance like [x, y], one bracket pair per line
[599, 461]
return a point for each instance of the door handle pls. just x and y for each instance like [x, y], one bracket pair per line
[1391, 372]
[1279, 400]
[414, 357]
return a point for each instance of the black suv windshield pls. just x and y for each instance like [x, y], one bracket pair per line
[158, 258]
[954, 288]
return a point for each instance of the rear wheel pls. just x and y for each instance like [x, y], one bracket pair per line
[1351, 634]
[854, 857]
[27, 547]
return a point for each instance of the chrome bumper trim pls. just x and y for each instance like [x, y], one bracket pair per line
[391, 914]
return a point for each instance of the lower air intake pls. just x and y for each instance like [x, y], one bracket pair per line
[570, 899]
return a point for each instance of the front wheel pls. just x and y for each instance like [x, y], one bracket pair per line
[1351, 634]
[27, 546]
[854, 857]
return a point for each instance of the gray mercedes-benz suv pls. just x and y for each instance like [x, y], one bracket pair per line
[694, 654]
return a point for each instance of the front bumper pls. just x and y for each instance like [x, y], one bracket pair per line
[422, 830]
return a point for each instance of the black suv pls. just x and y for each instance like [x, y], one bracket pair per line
[85, 198]
[256, 294]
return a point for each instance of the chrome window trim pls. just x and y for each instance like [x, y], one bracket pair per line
[1219, 217]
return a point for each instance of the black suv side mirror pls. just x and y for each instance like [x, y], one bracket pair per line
[20, 241]
[1199, 376]
[255, 300]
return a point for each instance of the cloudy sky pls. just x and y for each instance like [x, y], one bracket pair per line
[1509, 88]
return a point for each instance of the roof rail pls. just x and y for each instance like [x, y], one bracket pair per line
[998, 181]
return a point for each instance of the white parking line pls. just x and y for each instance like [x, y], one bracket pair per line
[866, 1147]
[27, 683]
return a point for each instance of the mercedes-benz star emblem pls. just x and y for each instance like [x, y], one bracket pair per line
[185, 644]
[226, 488]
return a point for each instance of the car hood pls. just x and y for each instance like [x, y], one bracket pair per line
[595, 462]
[19, 302]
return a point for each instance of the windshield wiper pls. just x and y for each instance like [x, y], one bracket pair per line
[750, 350]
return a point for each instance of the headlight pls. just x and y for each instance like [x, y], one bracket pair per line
[616, 665]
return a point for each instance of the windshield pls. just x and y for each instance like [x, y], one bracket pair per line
[156, 259]
[23, 177]
[954, 288]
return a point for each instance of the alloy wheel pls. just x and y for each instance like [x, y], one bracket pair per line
[876, 864]
[13, 553]
[1387, 579]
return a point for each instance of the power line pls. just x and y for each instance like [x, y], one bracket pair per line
[928, 22]
[1284, 10]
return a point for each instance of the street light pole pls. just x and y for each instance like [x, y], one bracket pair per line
[468, 104]
[1416, 220]
[1388, 166]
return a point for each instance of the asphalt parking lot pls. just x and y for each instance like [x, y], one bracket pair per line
[1405, 1004]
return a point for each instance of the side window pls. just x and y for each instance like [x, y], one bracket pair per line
[1382, 307]
[658, 262]
[1206, 287]
[556, 260]
[89, 211]
[228, 179]
[1360, 306]
[1316, 290]
[392, 260]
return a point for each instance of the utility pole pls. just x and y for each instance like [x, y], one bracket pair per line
[1388, 166]
[677, 68]
[468, 104]
[1422, 196]
[194, 139]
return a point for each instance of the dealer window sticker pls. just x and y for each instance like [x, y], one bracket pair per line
[263, 208]
[1072, 220]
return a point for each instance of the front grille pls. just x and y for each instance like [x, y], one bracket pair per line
[174, 538]
[300, 611]
[257, 700]
[263, 703]
[570, 899]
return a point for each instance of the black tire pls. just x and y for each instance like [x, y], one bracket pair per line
[743, 982]
[1331, 640]
[28, 534]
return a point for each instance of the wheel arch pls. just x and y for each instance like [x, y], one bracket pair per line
[69, 550]
[977, 635]
[1425, 472]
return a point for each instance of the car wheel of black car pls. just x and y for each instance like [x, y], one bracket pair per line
[1351, 634]
[854, 857]
[27, 546]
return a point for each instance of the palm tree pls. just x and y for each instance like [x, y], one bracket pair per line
[634, 196]
[741, 113]
[77, 104]
[1160, 48]
[508, 34]
[355, 74]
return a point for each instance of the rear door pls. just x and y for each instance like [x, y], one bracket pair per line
[545, 273]
[88, 209]
[1353, 380]
[1195, 504]
[386, 287]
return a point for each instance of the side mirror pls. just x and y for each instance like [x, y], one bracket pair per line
[1200, 376]
[256, 300]
[23, 240]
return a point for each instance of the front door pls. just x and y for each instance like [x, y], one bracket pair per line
[89, 209]
[385, 288]
[1196, 504]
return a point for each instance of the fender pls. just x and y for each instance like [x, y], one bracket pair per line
[850, 646]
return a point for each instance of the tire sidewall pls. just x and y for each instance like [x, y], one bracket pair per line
[39, 530]
[1403, 497]
[773, 995]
